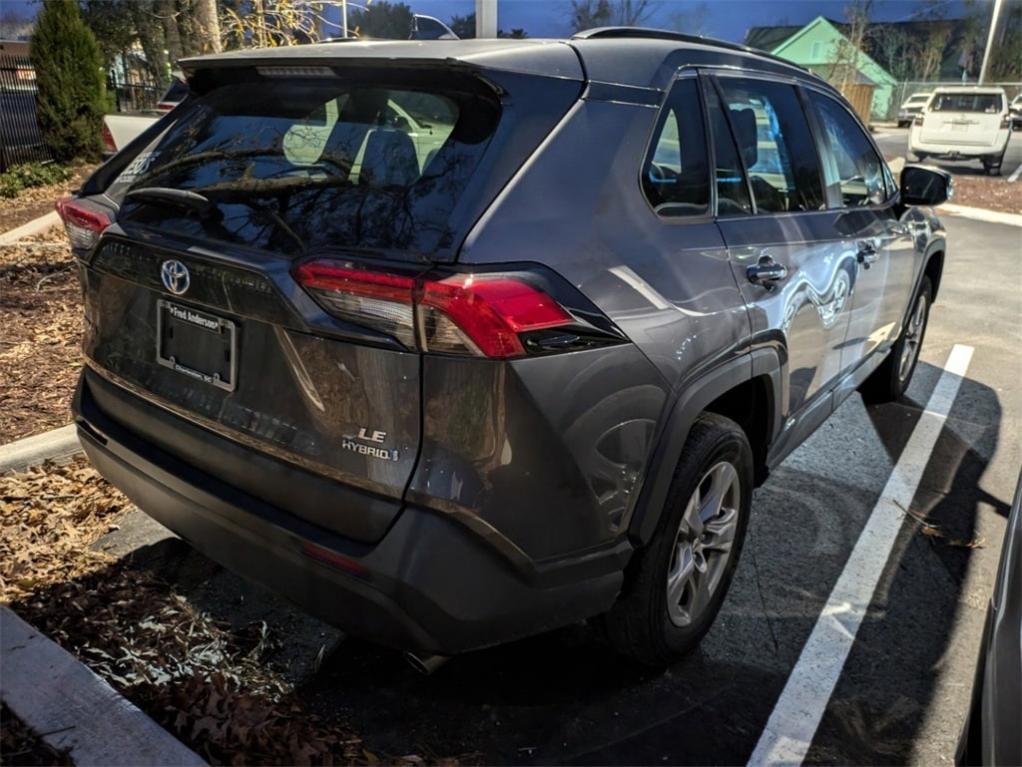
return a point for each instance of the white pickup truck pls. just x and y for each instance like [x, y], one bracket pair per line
[121, 128]
[963, 122]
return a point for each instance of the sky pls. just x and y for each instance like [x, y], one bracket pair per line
[723, 19]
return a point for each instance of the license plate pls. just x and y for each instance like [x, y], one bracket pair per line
[960, 127]
[198, 344]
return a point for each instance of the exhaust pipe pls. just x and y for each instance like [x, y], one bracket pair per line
[425, 664]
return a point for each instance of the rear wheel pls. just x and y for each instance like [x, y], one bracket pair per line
[890, 381]
[675, 586]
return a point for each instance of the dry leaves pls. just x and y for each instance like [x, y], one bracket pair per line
[40, 336]
[209, 685]
[19, 745]
[933, 531]
[37, 201]
[48, 518]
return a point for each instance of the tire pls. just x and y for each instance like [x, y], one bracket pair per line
[643, 624]
[890, 381]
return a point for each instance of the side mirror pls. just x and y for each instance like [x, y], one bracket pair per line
[922, 185]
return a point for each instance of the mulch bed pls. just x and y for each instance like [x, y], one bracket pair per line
[990, 192]
[20, 745]
[207, 684]
[40, 338]
[36, 202]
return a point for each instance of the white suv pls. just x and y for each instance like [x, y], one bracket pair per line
[965, 122]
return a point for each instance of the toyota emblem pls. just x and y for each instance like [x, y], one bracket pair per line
[175, 276]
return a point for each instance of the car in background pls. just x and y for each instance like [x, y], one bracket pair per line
[992, 732]
[963, 122]
[121, 128]
[1015, 107]
[912, 106]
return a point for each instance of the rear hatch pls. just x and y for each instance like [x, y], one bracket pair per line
[965, 118]
[255, 260]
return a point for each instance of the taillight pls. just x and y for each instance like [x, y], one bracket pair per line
[476, 314]
[378, 299]
[1006, 122]
[108, 139]
[484, 314]
[918, 119]
[83, 223]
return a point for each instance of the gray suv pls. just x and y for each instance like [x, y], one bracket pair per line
[454, 342]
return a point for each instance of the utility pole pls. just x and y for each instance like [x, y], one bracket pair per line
[344, 18]
[990, 41]
[486, 18]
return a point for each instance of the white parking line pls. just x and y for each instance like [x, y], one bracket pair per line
[1017, 172]
[797, 713]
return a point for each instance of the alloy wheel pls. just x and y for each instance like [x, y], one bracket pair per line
[913, 338]
[703, 544]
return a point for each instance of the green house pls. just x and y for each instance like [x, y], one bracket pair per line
[817, 46]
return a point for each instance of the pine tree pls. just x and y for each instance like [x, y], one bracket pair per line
[71, 81]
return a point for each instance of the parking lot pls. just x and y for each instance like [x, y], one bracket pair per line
[904, 691]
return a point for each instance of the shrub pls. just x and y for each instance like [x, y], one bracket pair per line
[69, 75]
[22, 177]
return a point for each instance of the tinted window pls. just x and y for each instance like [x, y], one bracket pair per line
[853, 171]
[774, 140]
[732, 191]
[989, 103]
[674, 176]
[295, 166]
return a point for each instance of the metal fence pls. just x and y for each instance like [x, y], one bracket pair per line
[905, 89]
[134, 97]
[21, 140]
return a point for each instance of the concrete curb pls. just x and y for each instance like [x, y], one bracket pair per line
[34, 227]
[53, 445]
[981, 214]
[52, 692]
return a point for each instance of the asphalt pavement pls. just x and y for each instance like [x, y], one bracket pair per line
[904, 690]
[893, 142]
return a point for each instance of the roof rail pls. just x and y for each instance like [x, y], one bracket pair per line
[646, 33]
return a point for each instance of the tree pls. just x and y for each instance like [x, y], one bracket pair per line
[382, 21]
[70, 79]
[464, 26]
[850, 48]
[588, 14]
[271, 23]
[206, 26]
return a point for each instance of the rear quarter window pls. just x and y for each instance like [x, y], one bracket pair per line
[675, 175]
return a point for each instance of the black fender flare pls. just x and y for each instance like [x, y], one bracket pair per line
[768, 360]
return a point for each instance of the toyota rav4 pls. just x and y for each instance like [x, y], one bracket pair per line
[454, 342]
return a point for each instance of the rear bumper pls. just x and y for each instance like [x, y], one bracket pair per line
[431, 584]
[957, 150]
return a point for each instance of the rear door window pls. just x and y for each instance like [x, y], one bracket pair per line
[986, 103]
[732, 190]
[675, 173]
[853, 170]
[775, 143]
[298, 166]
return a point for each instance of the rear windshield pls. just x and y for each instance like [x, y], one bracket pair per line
[299, 166]
[989, 103]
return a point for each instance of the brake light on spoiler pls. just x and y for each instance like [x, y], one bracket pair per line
[478, 314]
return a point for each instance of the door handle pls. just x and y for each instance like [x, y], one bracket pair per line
[867, 253]
[766, 271]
